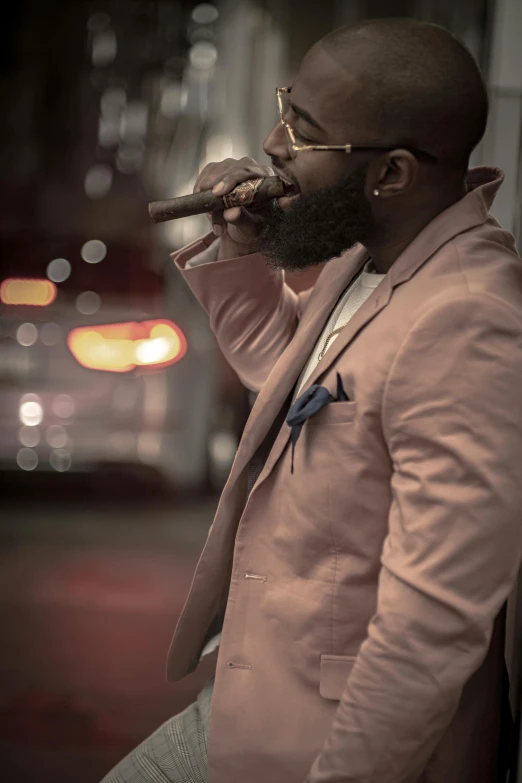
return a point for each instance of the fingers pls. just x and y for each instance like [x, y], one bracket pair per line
[224, 176]
[218, 224]
[243, 226]
[231, 215]
[221, 219]
[206, 180]
[240, 224]
[229, 180]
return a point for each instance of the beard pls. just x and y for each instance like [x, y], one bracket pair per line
[317, 226]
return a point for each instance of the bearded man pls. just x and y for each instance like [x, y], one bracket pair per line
[352, 588]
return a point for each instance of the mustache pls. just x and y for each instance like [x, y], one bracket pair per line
[278, 165]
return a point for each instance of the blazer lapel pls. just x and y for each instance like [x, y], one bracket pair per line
[376, 302]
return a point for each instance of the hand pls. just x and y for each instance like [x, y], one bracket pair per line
[238, 227]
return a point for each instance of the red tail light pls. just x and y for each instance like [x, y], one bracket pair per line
[123, 347]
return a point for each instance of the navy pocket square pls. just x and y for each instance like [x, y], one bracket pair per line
[310, 402]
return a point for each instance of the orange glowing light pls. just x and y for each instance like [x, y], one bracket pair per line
[123, 347]
[32, 293]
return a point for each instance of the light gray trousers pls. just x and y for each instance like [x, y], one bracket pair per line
[175, 753]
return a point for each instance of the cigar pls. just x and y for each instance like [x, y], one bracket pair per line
[252, 193]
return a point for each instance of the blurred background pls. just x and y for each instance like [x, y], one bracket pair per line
[115, 442]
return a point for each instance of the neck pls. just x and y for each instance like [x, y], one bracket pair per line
[387, 244]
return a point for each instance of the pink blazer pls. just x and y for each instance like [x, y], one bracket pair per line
[363, 651]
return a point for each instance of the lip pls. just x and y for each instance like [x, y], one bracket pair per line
[287, 181]
[285, 201]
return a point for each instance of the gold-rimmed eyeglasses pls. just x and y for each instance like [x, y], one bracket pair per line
[282, 98]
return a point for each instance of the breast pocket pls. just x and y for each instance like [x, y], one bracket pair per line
[335, 670]
[328, 440]
[334, 413]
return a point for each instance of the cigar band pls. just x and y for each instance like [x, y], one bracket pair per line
[243, 194]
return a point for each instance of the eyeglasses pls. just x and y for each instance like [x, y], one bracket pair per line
[282, 99]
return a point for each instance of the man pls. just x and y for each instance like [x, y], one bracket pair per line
[369, 533]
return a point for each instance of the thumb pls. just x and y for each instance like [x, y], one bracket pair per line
[242, 225]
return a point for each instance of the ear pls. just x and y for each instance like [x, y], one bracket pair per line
[392, 174]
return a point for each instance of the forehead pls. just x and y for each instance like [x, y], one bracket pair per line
[326, 89]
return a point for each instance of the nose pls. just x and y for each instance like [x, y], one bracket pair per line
[276, 143]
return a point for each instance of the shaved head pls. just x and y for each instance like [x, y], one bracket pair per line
[419, 86]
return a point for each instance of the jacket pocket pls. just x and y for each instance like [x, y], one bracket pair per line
[334, 413]
[335, 670]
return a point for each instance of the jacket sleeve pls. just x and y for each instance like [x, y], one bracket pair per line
[253, 312]
[452, 420]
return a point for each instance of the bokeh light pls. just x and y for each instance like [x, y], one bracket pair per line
[56, 436]
[60, 460]
[112, 104]
[27, 334]
[108, 131]
[104, 48]
[58, 270]
[27, 459]
[63, 406]
[98, 180]
[223, 447]
[203, 56]
[123, 347]
[205, 13]
[153, 351]
[173, 99]
[27, 292]
[88, 302]
[133, 123]
[30, 411]
[93, 251]
[29, 436]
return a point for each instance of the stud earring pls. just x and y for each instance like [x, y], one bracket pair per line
[376, 192]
